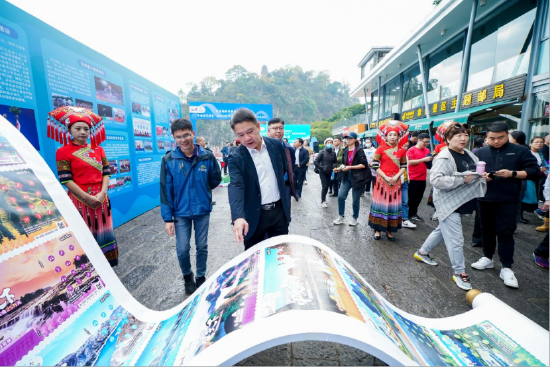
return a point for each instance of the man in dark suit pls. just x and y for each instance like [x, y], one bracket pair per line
[257, 190]
[276, 130]
[302, 159]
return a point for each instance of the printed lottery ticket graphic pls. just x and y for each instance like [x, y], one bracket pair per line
[61, 303]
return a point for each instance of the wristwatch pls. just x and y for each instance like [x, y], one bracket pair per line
[514, 174]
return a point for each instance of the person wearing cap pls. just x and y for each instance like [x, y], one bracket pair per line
[355, 174]
[325, 162]
[84, 169]
[302, 160]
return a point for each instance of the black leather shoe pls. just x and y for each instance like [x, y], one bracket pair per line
[477, 244]
[523, 220]
[199, 281]
[392, 239]
[333, 196]
[377, 237]
[190, 285]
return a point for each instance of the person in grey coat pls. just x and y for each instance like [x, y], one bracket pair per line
[455, 193]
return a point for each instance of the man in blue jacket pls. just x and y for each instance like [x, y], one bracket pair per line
[188, 175]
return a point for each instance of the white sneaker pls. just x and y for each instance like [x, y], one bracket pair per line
[509, 278]
[305, 182]
[339, 220]
[324, 204]
[353, 222]
[483, 263]
[434, 216]
[408, 224]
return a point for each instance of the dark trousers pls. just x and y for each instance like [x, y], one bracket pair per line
[300, 177]
[335, 184]
[225, 161]
[498, 220]
[325, 183]
[272, 223]
[368, 184]
[476, 235]
[542, 250]
[416, 193]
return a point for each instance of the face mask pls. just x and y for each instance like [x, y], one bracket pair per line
[368, 145]
[329, 146]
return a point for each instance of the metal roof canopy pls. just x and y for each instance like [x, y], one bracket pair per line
[462, 116]
[451, 15]
[422, 124]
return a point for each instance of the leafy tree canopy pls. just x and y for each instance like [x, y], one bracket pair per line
[297, 96]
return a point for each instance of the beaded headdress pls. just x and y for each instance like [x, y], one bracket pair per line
[63, 117]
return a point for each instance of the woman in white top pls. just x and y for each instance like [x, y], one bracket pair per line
[369, 150]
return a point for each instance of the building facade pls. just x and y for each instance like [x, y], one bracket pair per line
[472, 61]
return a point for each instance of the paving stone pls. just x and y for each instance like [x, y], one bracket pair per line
[314, 362]
[133, 279]
[314, 350]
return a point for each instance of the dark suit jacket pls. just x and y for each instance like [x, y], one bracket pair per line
[303, 158]
[245, 197]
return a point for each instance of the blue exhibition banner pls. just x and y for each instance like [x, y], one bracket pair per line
[293, 132]
[211, 121]
[42, 69]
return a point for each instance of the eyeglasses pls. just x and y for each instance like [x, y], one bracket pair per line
[183, 137]
[280, 128]
[459, 126]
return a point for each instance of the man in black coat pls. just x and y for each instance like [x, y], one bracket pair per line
[355, 175]
[506, 166]
[302, 159]
[257, 193]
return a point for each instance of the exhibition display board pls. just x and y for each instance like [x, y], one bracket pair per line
[42, 69]
[62, 304]
[211, 122]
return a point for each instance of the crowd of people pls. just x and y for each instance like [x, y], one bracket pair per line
[499, 180]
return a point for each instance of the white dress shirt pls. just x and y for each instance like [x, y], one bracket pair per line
[297, 155]
[266, 174]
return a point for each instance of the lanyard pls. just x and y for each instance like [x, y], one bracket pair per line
[352, 156]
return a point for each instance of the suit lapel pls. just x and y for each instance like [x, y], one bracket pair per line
[250, 164]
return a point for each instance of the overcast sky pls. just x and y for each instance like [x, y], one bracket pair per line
[174, 42]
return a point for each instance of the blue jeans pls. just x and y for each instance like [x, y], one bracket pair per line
[345, 186]
[183, 242]
[405, 200]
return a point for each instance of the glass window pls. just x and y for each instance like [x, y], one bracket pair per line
[543, 62]
[412, 89]
[391, 100]
[444, 74]
[500, 46]
[539, 117]
[374, 100]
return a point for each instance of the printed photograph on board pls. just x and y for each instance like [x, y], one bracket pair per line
[8, 154]
[303, 277]
[41, 289]
[27, 211]
[108, 92]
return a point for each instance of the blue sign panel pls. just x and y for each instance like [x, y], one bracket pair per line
[224, 111]
[293, 132]
[42, 69]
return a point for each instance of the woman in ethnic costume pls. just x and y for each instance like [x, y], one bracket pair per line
[389, 162]
[83, 168]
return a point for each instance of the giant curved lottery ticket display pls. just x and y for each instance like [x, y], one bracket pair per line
[61, 304]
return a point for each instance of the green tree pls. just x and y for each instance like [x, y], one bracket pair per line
[297, 96]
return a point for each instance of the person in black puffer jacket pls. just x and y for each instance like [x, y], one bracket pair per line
[325, 163]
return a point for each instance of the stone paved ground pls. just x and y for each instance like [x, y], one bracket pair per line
[149, 269]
